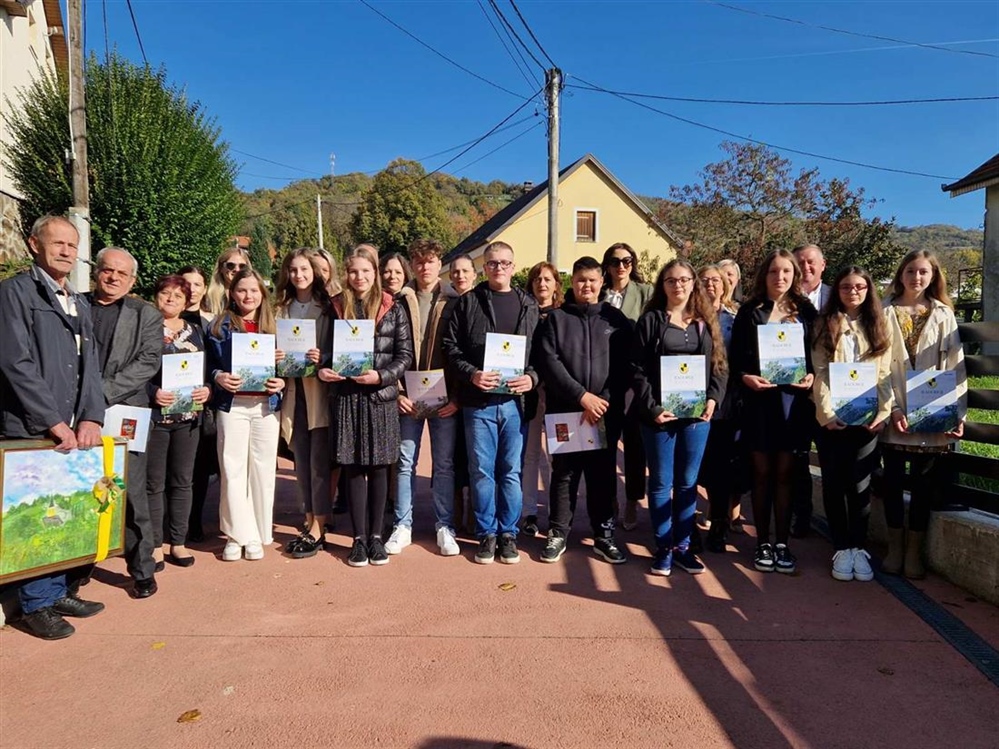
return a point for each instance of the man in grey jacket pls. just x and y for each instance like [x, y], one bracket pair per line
[50, 387]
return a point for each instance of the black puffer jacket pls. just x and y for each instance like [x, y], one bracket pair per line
[393, 351]
[464, 340]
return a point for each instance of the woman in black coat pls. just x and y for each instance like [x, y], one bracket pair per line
[365, 419]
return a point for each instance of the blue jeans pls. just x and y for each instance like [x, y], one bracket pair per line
[41, 592]
[442, 438]
[495, 435]
[674, 455]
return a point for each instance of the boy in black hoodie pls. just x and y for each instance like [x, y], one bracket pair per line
[582, 355]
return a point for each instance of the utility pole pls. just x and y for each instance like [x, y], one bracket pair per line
[332, 165]
[319, 218]
[553, 88]
[79, 214]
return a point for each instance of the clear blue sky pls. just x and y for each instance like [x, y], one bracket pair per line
[295, 81]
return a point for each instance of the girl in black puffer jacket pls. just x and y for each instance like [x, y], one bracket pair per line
[364, 422]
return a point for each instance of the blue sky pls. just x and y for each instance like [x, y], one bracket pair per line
[295, 81]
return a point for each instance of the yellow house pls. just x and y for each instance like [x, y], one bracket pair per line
[595, 211]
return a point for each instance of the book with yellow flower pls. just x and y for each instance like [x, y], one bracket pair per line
[506, 354]
[182, 373]
[683, 382]
[853, 388]
[782, 352]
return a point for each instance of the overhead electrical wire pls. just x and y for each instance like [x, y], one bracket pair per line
[847, 32]
[500, 147]
[135, 26]
[513, 31]
[271, 161]
[529, 31]
[437, 52]
[522, 70]
[749, 139]
[884, 102]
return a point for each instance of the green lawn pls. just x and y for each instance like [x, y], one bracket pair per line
[981, 448]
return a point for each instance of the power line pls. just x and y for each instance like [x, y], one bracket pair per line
[440, 54]
[529, 31]
[749, 139]
[516, 48]
[275, 163]
[499, 147]
[460, 145]
[847, 32]
[885, 102]
[513, 31]
[507, 48]
[135, 26]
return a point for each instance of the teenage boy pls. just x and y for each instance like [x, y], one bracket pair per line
[425, 300]
[494, 425]
[583, 358]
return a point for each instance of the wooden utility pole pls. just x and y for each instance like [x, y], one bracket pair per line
[79, 214]
[553, 88]
[319, 218]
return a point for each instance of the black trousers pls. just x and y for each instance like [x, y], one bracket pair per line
[367, 493]
[634, 457]
[720, 470]
[171, 454]
[599, 467]
[847, 458]
[206, 463]
[926, 485]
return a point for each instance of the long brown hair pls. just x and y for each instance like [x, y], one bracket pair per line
[558, 297]
[698, 307]
[793, 295]
[265, 315]
[635, 275]
[872, 318]
[371, 302]
[216, 295]
[286, 292]
[938, 285]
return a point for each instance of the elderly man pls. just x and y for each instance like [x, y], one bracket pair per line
[50, 387]
[129, 335]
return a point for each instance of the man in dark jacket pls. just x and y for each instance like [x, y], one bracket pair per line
[129, 334]
[583, 357]
[494, 425]
[50, 387]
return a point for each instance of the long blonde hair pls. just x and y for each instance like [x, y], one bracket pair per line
[371, 301]
[265, 314]
[938, 284]
[217, 296]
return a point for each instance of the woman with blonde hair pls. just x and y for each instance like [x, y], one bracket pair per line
[229, 263]
[326, 264]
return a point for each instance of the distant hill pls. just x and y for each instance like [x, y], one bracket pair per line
[940, 238]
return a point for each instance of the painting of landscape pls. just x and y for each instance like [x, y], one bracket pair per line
[49, 511]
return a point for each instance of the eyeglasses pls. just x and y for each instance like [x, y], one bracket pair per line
[619, 262]
[681, 281]
[234, 266]
[497, 264]
[858, 287]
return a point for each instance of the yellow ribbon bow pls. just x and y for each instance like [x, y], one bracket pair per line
[108, 490]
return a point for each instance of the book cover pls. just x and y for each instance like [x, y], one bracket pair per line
[571, 433]
[295, 338]
[253, 360]
[782, 352]
[853, 387]
[505, 354]
[931, 398]
[353, 347]
[181, 374]
[427, 390]
[682, 383]
[130, 423]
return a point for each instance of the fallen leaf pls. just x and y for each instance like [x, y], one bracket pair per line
[228, 690]
[886, 671]
[507, 586]
[158, 645]
[277, 574]
[189, 716]
[321, 582]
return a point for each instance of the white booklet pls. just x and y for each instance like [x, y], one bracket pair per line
[571, 433]
[130, 423]
[181, 374]
[682, 385]
[505, 354]
[253, 360]
[295, 338]
[931, 399]
[427, 390]
[853, 387]
[353, 347]
[782, 352]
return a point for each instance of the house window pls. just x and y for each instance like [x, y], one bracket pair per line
[586, 226]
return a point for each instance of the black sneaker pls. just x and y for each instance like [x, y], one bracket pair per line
[608, 550]
[73, 605]
[358, 554]
[786, 561]
[554, 547]
[376, 551]
[508, 549]
[529, 526]
[688, 562]
[763, 560]
[47, 624]
[487, 550]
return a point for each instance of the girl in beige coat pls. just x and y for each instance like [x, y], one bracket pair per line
[924, 335]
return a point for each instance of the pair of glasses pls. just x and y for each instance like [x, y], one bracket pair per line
[234, 266]
[497, 264]
[620, 262]
[681, 281]
[855, 287]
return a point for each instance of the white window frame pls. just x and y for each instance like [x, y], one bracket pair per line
[596, 225]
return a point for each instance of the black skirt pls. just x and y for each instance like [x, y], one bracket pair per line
[364, 432]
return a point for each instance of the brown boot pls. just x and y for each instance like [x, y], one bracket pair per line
[914, 567]
[894, 559]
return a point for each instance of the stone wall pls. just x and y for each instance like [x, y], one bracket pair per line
[12, 244]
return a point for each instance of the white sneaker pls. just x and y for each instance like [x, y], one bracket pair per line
[254, 551]
[232, 552]
[401, 538]
[842, 567]
[862, 566]
[447, 542]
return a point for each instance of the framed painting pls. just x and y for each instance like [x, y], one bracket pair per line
[60, 510]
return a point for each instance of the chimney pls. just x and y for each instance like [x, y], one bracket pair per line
[528, 186]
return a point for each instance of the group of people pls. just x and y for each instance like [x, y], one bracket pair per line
[593, 351]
